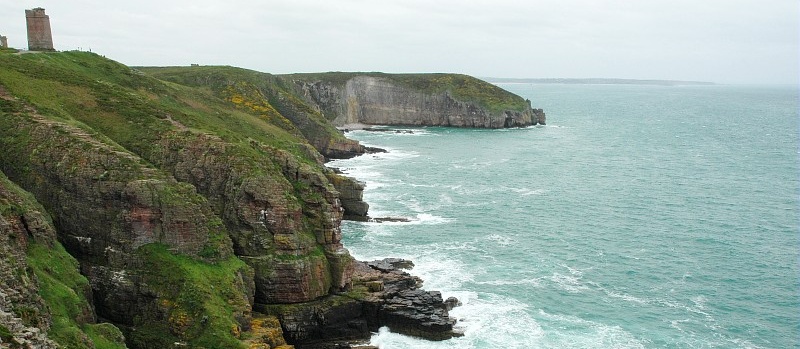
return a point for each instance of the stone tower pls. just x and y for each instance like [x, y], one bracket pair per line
[39, 36]
[3, 42]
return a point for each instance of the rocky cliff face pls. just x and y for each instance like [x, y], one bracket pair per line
[351, 194]
[24, 317]
[107, 206]
[292, 242]
[382, 295]
[44, 301]
[414, 101]
[184, 206]
[160, 216]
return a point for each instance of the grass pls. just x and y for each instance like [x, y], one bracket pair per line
[262, 95]
[63, 288]
[199, 299]
[105, 336]
[11, 207]
[126, 107]
[60, 285]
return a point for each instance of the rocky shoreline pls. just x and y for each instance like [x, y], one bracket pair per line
[382, 294]
[192, 206]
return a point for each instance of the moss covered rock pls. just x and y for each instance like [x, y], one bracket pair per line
[44, 301]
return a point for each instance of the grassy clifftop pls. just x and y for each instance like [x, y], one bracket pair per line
[110, 99]
[265, 95]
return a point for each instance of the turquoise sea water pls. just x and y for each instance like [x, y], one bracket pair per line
[640, 217]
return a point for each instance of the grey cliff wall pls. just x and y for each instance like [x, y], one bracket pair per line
[380, 101]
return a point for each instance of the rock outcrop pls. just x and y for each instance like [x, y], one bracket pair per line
[292, 242]
[24, 317]
[382, 295]
[351, 194]
[414, 100]
[401, 303]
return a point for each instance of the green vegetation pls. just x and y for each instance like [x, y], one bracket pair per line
[10, 207]
[260, 94]
[134, 115]
[461, 87]
[105, 336]
[123, 106]
[7, 337]
[198, 299]
[217, 240]
[64, 290]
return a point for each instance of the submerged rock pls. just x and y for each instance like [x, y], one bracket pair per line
[451, 303]
[388, 219]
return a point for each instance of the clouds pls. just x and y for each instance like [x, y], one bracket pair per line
[738, 41]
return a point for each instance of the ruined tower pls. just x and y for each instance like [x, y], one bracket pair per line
[3, 42]
[39, 36]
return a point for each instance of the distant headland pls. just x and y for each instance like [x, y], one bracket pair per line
[596, 81]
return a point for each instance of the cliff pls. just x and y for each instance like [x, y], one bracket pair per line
[414, 100]
[44, 300]
[182, 210]
[181, 207]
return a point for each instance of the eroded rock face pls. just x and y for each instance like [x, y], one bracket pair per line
[40, 284]
[19, 287]
[102, 199]
[292, 242]
[402, 304]
[312, 125]
[191, 193]
[351, 194]
[379, 101]
[106, 205]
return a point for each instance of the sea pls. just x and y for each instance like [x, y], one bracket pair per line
[638, 217]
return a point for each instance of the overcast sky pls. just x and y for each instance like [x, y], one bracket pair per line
[724, 41]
